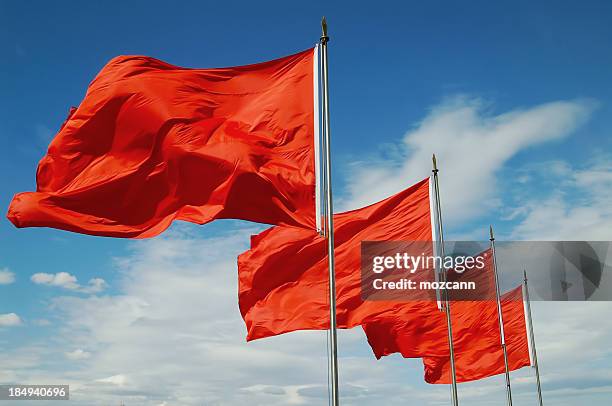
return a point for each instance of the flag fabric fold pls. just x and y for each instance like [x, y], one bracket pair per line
[283, 278]
[152, 143]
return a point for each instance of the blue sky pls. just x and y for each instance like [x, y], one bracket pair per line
[514, 97]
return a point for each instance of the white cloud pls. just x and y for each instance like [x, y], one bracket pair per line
[174, 335]
[119, 380]
[77, 354]
[10, 320]
[95, 285]
[60, 279]
[6, 277]
[177, 320]
[576, 208]
[67, 281]
[471, 145]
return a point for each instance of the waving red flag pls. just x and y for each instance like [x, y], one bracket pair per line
[283, 278]
[416, 332]
[152, 143]
[482, 355]
[418, 329]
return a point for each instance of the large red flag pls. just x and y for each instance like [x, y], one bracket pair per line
[153, 142]
[482, 355]
[283, 278]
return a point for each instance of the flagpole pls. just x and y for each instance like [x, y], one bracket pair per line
[447, 310]
[323, 151]
[501, 319]
[333, 338]
[532, 338]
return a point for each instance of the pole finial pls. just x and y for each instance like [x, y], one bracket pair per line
[491, 233]
[525, 275]
[435, 163]
[324, 37]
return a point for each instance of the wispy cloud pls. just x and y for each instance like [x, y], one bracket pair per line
[6, 277]
[119, 380]
[179, 292]
[60, 279]
[575, 207]
[10, 320]
[471, 145]
[67, 281]
[77, 354]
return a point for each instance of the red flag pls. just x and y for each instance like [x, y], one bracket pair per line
[283, 278]
[152, 143]
[416, 329]
[482, 355]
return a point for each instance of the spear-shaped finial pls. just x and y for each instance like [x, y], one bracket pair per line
[525, 275]
[324, 37]
[491, 233]
[435, 163]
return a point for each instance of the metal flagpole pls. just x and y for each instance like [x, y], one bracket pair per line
[501, 319]
[447, 310]
[532, 337]
[323, 145]
[333, 338]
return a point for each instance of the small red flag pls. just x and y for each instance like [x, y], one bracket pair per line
[482, 355]
[418, 329]
[283, 278]
[152, 143]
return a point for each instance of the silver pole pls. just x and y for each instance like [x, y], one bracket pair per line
[500, 316]
[532, 338]
[321, 145]
[333, 338]
[449, 324]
